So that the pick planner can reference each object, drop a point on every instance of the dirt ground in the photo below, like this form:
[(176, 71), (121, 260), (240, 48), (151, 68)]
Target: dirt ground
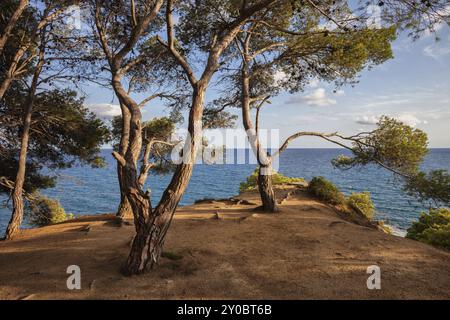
[(226, 250)]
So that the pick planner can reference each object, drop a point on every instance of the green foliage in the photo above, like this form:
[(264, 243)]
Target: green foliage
[(42, 211), (214, 118), (277, 179), (69, 125), (20, 34), (98, 162), (432, 228), (158, 128), (392, 144), (400, 149), (34, 180), (63, 132), (326, 191), (329, 56), (335, 57), (362, 203), (434, 186)]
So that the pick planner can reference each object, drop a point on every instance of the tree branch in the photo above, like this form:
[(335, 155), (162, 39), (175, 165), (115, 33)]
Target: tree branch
[(12, 22), (327, 137), (137, 31), (171, 45), (146, 166), (119, 158)]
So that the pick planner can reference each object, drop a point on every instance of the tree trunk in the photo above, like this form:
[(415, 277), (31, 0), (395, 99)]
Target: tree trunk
[(149, 240), (151, 232), (124, 211), (17, 199), (265, 187), (18, 205)]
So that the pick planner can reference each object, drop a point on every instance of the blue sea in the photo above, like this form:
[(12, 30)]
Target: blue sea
[(84, 190)]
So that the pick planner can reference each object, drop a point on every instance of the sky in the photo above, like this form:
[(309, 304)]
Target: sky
[(414, 88)]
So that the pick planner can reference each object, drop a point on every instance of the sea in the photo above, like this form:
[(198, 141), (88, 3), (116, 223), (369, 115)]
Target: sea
[(83, 190)]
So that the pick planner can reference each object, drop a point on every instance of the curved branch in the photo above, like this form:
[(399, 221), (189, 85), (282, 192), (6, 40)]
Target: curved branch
[(327, 137), (302, 134)]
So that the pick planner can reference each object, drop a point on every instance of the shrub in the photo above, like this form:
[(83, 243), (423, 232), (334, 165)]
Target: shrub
[(326, 191), (432, 186), (42, 211), (432, 228), (362, 203), (277, 179)]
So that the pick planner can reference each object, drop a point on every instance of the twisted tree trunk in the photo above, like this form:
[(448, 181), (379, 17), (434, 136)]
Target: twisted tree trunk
[(124, 211), (151, 226), (150, 234), (131, 139)]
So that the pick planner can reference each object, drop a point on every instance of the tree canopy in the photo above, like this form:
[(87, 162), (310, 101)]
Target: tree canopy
[(63, 132)]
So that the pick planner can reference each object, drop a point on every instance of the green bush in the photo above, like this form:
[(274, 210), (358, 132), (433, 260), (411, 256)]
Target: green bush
[(42, 211), (362, 203), (277, 179), (432, 228), (326, 191)]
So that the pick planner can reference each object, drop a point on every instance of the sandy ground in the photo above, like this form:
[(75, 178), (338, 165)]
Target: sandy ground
[(222, 250)]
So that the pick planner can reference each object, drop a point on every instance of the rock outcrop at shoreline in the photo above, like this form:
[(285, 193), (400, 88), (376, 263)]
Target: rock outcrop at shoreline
[(227, 249)]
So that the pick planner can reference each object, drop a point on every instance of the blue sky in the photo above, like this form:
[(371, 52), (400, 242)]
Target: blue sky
[(413, 87)]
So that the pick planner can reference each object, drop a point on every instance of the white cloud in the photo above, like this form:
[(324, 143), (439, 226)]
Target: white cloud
[(407, 118), (317, 98), (105, 110), (339, 93), (410, 119), (367, 120)]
